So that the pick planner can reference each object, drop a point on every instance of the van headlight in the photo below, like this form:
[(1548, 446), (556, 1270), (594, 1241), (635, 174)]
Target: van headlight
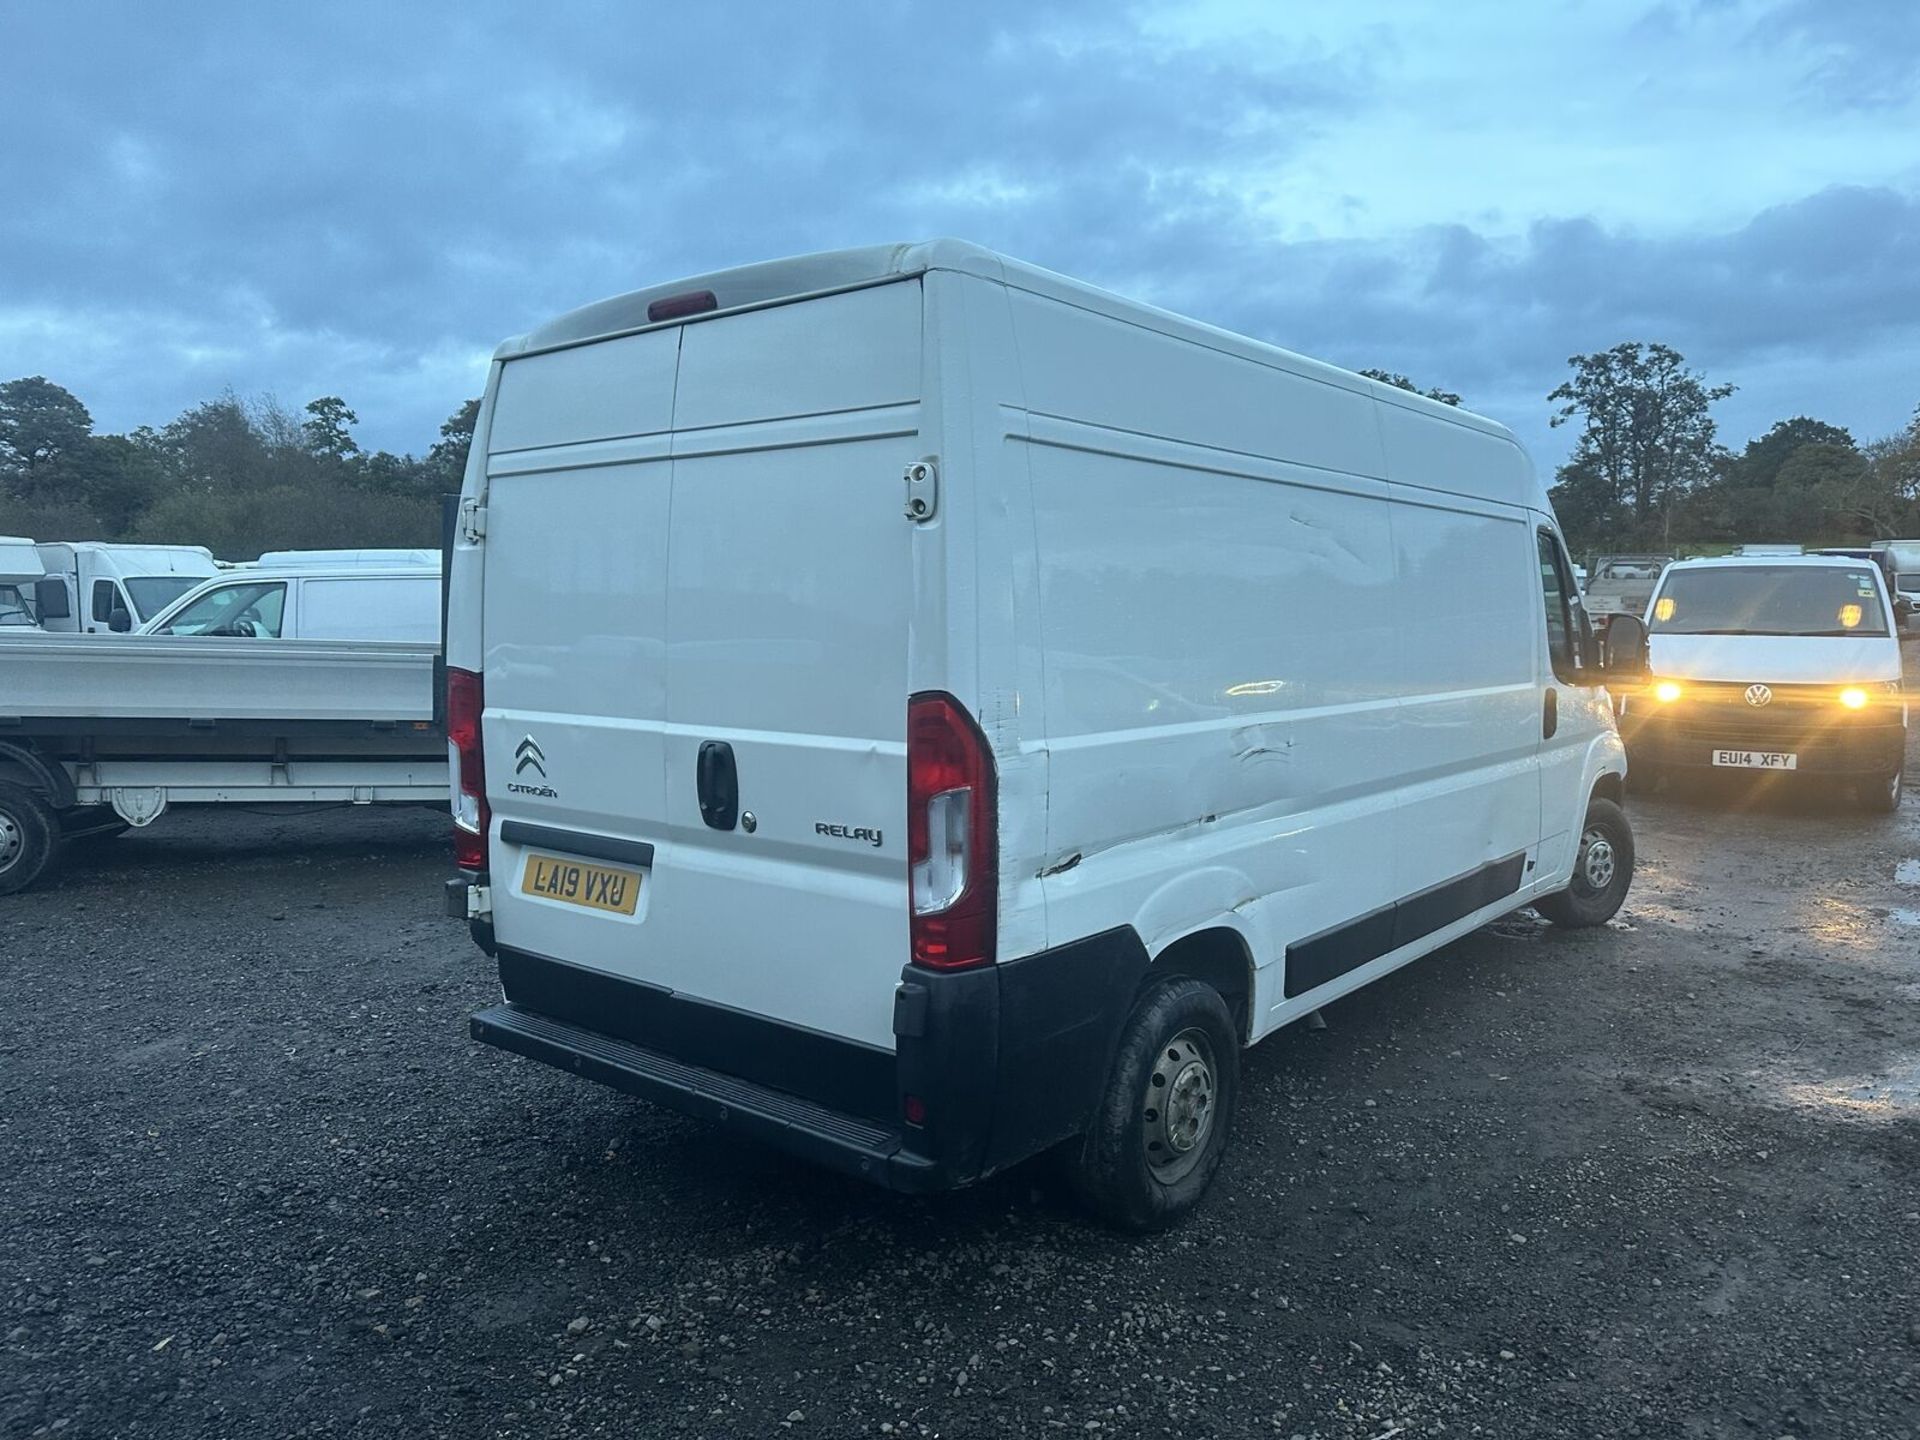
[(1858, 697)]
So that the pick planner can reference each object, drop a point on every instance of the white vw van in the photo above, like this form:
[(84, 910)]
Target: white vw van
[(1773, 665), (922, 711)]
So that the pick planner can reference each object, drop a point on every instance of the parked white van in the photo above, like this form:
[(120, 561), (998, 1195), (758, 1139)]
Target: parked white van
[(1774, 665), (92, 587), (922, 711), (312, 602), (21, 570)]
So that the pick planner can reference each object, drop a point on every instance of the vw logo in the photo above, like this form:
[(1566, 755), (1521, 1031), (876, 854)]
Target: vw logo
[(527, 754), (1759, 695)]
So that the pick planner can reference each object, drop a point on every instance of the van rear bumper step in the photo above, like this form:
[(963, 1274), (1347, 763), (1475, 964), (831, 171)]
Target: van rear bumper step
[(826, 1137)]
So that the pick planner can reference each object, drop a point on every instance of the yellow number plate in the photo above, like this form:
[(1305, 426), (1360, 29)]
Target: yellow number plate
[(595, 887)]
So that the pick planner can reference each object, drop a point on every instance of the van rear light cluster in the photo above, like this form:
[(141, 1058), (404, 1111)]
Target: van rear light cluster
[(471, 816), (952, 859)]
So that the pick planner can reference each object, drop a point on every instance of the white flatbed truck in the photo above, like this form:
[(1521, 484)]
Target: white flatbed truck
[(98, 734)]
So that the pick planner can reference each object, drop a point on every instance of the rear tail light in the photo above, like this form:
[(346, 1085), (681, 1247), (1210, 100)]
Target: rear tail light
[(952, 859), (465, 700)]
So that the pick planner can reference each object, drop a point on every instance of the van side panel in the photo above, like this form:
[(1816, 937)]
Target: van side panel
[(1471, 698), (1217, 623)]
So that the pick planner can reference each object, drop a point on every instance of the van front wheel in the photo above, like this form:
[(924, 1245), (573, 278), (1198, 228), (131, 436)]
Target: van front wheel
[(1161, 1126), (1602, 870)]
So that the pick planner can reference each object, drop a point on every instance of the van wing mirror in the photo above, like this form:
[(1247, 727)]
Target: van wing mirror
[(1626, 648), (50, 599), (120, 621)]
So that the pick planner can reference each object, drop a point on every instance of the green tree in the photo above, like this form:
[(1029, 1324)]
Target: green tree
[(117, 477), (215, 445), (1646, 430), (328, 429), (1401, 382), (447, 460), (40, 425)]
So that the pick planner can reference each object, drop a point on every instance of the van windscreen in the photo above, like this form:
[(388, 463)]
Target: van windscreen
[(153, 593), (1770, 600)]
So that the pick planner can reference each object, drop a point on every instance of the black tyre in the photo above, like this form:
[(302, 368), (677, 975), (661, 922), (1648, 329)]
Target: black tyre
[(1602, 870), (1161, 1127), (28, 837), (1881, 797)]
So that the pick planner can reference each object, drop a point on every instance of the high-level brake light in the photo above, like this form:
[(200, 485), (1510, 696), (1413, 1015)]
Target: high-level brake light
[(678, 307)]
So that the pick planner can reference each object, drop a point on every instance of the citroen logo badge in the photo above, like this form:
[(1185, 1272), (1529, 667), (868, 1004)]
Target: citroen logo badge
[(528, 755), (1759, 695)]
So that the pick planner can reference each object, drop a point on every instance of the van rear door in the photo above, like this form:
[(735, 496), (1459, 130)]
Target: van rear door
[(695, 609)]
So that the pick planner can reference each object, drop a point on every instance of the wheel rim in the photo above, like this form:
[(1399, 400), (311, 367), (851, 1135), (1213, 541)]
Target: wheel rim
[(1597, 862), (13, 841), (1179, 1105)]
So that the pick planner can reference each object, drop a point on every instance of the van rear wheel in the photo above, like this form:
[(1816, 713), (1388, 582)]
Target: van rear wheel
[(27, 837), (1161, 1127), (1602, 870)]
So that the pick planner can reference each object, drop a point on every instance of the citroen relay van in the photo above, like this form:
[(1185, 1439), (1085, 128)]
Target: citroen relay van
[(1783, 666), (920, 711)]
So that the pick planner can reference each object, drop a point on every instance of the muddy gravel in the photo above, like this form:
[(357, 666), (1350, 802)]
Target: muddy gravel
[(1661, 1179)]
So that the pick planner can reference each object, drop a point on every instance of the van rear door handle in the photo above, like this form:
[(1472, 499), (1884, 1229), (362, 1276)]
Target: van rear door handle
[(1550, 715), (719, 784)]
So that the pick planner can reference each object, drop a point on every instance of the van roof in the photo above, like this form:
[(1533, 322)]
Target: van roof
[(776, 281), (1766, 562)]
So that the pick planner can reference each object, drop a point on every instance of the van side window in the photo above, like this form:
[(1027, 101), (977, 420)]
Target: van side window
[(1563, 614), (104, 599)]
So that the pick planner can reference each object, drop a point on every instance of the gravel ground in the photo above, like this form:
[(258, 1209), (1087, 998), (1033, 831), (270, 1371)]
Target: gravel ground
[(1655, 1180)]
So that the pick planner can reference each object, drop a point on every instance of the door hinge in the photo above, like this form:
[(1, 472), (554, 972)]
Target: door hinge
[(473, 521), (923, 490)]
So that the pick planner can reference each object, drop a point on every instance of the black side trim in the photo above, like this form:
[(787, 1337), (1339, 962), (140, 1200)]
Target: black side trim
[(845, 1076), (1332, 953), (572, 842)]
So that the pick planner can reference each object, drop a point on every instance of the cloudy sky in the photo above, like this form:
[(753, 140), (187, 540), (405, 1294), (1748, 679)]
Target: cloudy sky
[(362, 200)]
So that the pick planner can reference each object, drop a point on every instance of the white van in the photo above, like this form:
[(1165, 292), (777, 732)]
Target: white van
[(1781, 665), (21, 571), (312, 602), (92, 587), (414, 558), (922, 711)]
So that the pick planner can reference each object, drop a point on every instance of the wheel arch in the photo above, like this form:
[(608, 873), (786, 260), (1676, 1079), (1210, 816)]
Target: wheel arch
[(1219, 955)]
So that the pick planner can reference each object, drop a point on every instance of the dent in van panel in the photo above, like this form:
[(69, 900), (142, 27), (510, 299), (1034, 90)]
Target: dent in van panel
[(1101, 371), (1219, 687), (591, 392), (840, 352)]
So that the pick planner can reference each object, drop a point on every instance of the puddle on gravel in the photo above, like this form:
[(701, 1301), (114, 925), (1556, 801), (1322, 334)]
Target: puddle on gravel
[(1898, 1090), (1907, 872), (1904, 917)]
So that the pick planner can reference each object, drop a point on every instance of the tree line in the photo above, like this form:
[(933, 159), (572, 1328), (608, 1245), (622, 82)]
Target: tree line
[(1647, 470), (237, 476)]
